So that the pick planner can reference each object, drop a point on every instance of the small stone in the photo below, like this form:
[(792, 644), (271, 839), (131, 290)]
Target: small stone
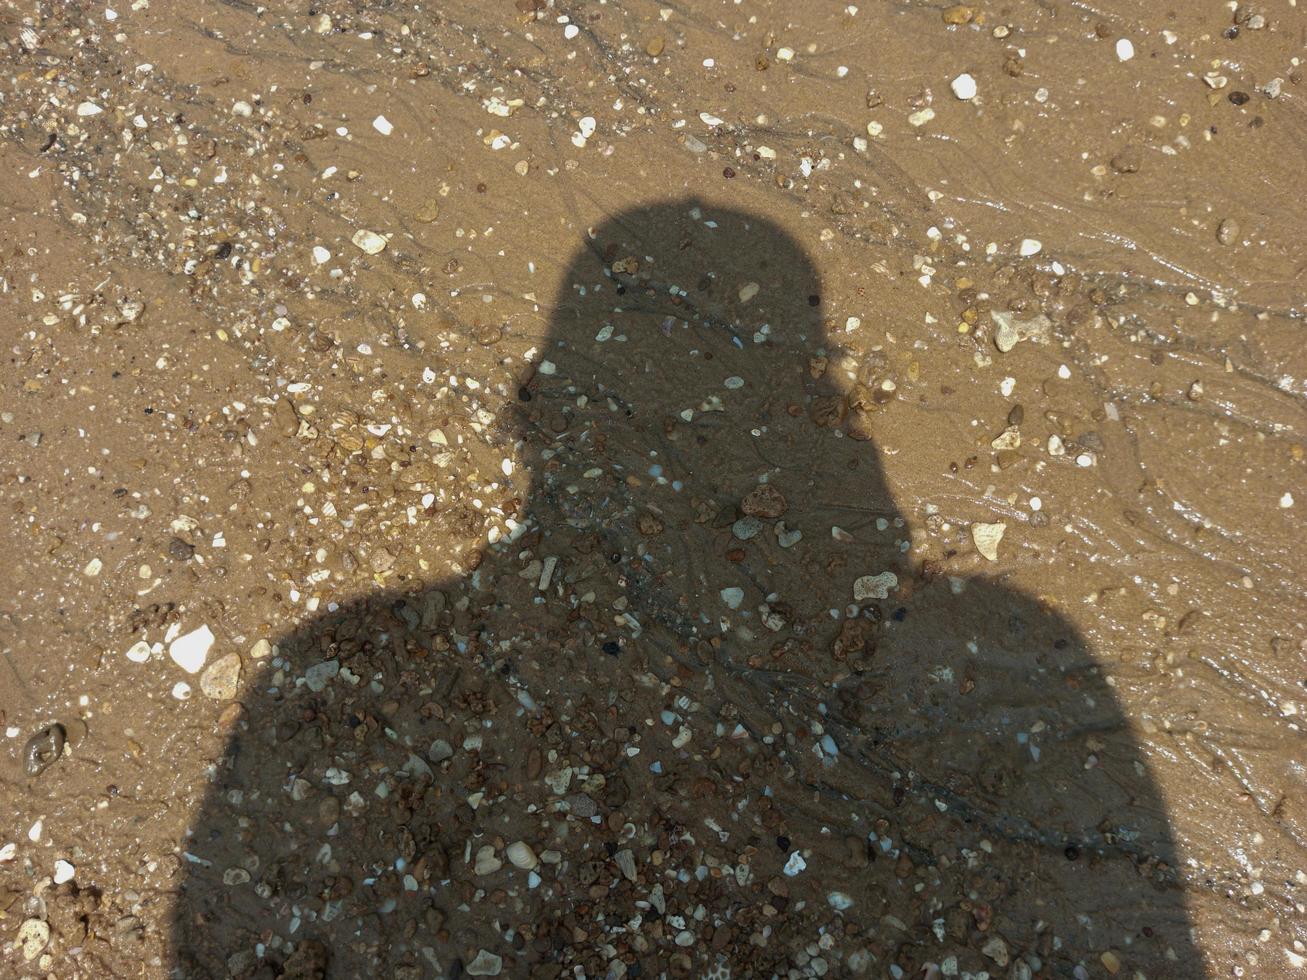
[(1009, 438), (88, 109), (261, 650), (520, 855), (958, 14), (1009, 331), (987, 537), (839, 901), (317, 676), (1227, 232), (428, 211), (746, 528), (996, 950), (655, 47), (368, 241), (1029, 247), (765, 501), (787, 537), (732, 597), (1125, 50), (383, 125), (439, 751), (874, 586), (190, 650), (1128, 160), (794, 865), (486, 862), (486, 964), (921, 116), (964, 87), (1111, 962), (44, 749), (63, 871), (625, 859), (138, 652), (221, 680), (33, 935), (180, 549)]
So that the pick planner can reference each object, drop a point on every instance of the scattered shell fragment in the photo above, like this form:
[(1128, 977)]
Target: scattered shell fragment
[(987, 537), (520, 855)]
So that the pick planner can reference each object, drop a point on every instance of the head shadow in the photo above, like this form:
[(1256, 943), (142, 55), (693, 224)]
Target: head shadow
[(699, 687)]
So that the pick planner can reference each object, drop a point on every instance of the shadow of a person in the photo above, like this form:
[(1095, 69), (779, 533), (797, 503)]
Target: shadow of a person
[(655, 733)]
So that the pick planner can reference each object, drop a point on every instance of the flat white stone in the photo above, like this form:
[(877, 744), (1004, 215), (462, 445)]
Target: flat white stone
[(190, 650)]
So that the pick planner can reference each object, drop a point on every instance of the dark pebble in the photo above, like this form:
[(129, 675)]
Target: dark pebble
[(44, 749)]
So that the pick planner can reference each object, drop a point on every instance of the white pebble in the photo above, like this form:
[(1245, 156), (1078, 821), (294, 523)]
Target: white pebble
[(1030, 246), (571, 31), (181, 691), (138, 652), (1124, 49), (586, 126), (795, 865), (191, 650), (964, 87), (89, 109), (63, 871), (383, 126), (368, 241), (1287, 500), (320, 255)]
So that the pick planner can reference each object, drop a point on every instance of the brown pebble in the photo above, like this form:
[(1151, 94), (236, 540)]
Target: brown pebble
[(655, 47), (958, 14), (1128, 160), (1227, 232)]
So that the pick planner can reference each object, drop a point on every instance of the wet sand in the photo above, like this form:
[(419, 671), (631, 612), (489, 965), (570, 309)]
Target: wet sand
[(633, 490)]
